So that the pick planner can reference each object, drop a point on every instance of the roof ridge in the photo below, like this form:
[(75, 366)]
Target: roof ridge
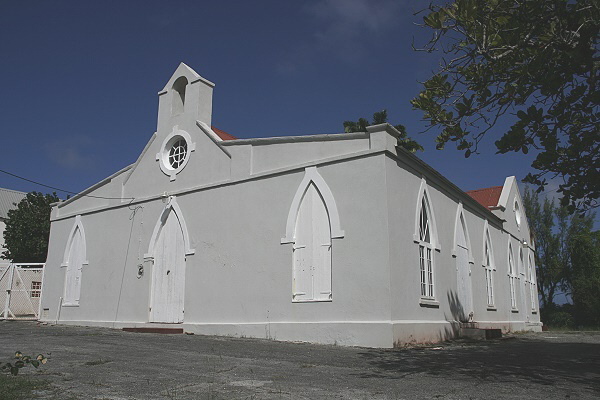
[(488, 188), (12, 190)]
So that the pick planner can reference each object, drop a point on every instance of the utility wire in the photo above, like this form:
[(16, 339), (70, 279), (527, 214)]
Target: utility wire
[(65, 191)]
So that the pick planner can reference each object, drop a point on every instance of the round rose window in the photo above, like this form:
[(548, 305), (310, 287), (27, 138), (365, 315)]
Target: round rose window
[(177, 153)]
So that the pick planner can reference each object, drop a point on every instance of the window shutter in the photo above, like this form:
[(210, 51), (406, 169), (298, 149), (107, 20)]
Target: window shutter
[(302, 279)]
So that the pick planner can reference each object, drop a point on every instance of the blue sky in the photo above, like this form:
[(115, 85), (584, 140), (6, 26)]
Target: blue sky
[(80, 79)]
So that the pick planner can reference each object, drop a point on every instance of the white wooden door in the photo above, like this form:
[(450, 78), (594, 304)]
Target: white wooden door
[(168, 274), (74, 266), (463, 280), (312, 249)]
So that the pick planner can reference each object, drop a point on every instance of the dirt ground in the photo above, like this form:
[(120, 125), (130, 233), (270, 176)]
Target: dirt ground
[(99, 363)]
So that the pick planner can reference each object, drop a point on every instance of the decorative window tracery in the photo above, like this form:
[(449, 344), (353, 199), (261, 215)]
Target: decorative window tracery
[(175, 152), (425, 252), (427, 239)]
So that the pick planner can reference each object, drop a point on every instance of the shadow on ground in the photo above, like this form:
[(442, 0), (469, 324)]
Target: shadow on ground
[(508, 360)]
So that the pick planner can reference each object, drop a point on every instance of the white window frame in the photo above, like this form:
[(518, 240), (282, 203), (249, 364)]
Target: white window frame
[(426, 249), (518, 213), (312, 176), (489, 265), (512, 278), (170, 206), (163, 156), (532, 282), (460, 222)]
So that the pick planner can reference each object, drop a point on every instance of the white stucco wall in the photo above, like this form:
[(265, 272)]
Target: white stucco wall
[(2, 227), (235, 198), (3, 262)]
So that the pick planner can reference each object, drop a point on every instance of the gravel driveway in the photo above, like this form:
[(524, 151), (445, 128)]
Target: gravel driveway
[(100, 363)]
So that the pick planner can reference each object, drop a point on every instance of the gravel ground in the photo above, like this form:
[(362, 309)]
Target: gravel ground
[(100, 363)]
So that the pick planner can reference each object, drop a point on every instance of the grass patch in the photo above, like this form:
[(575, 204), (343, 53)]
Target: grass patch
[(20, 387)]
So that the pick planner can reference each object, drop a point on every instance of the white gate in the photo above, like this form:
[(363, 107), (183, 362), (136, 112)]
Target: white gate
[(21, 290)]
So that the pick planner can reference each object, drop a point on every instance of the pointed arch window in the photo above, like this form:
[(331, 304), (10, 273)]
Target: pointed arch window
[(461, 233), (489, 265), (427, 239), (312, 223), (532, 283), (512, 278), (75, 257), (425, 251)]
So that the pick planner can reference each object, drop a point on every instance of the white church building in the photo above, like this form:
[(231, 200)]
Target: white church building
[(342, 238)]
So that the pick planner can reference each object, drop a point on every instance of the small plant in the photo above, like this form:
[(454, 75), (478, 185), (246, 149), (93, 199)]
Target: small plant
[(22, 361)]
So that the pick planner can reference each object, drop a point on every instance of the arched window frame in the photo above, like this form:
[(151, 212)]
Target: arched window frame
[(77, 227), (512, 278), (312, 176), (170, 206), (424, 193), (426, 253), (488, 263), (460, 222), (532, 282)]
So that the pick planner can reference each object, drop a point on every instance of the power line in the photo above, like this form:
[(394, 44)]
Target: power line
[(63, 190)]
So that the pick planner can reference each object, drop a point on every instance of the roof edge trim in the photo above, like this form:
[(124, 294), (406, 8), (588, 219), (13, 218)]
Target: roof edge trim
[(291, 139)]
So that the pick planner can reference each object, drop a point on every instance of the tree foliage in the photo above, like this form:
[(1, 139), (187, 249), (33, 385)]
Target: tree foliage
[(381, 118), (28, 228), (567, 257), (533, 63), (582, 277), (541, 217)]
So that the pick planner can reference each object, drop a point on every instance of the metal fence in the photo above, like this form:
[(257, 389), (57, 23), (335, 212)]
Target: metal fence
[(21, 291)]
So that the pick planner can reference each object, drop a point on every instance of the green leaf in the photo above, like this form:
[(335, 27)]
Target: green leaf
[(14, 370), (502, 20)]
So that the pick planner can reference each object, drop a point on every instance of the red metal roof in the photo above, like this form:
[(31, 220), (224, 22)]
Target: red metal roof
[(222, 134), (486, 197)]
